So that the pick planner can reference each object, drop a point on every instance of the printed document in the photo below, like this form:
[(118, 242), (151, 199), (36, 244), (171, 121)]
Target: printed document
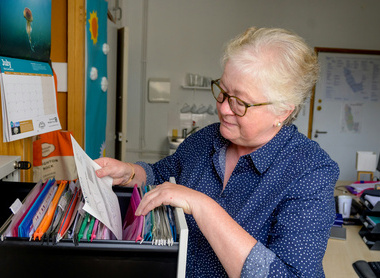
[(100, 200)]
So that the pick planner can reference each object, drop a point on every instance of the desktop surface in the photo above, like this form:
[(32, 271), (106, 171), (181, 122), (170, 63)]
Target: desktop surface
[(341, 254)]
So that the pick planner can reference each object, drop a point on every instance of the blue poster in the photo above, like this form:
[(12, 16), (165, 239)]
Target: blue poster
[(25, 29), (96, 79)]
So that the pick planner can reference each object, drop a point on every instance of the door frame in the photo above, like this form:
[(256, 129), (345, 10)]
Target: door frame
[(76, 13)]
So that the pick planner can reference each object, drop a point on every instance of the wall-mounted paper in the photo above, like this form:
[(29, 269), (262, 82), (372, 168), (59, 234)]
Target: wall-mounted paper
[(366, 161), (159, 90), (28, 98)]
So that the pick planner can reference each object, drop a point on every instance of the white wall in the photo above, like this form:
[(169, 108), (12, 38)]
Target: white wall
[(188, 36)]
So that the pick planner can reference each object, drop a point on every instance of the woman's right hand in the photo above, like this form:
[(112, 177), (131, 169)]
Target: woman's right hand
[(116, 169)]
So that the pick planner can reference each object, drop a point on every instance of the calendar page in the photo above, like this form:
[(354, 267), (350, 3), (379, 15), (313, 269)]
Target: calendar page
[(28, 98)]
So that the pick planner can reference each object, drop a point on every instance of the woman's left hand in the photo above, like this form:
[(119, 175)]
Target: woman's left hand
[(169, 194), (229, 240)]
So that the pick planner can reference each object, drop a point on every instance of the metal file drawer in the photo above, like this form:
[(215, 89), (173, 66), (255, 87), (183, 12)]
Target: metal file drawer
[(100, 258)]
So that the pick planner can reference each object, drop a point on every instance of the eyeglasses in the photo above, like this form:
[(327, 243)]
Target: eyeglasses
[(238, 106)]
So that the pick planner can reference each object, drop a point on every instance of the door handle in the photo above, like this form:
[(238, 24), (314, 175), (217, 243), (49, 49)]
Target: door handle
[(319, 132)]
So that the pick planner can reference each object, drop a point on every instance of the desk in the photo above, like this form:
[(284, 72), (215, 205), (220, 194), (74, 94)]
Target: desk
[(341, 254)]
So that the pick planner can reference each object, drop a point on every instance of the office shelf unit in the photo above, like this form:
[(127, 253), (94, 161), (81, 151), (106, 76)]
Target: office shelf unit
[(370, 233)]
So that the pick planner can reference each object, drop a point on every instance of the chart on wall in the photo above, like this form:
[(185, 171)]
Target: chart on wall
[(350, 77), (346, 106)]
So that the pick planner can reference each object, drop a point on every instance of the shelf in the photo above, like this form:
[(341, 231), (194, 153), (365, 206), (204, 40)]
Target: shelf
[(196, 88)]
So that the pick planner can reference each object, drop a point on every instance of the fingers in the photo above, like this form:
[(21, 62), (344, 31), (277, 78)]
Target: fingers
[(106, 164), (149, 202), (116, 169), (166, 194), (101, 161), (104, 171), (101, 173)]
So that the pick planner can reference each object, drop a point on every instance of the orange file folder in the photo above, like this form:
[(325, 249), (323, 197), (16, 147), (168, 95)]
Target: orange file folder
[(48, 218)]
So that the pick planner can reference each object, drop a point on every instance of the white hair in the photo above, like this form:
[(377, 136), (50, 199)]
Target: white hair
[(280, 62)]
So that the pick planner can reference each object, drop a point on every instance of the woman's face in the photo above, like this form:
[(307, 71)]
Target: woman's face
[(258, 125)]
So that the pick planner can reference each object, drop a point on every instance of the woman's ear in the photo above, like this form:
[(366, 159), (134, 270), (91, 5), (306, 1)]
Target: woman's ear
[(282, 117)]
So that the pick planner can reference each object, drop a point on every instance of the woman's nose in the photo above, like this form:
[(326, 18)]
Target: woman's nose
[(225, 108)]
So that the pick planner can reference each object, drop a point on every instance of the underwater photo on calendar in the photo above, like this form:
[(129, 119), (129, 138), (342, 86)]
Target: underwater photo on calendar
[(25, 29)]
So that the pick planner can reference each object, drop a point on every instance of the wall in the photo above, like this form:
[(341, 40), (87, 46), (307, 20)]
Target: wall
[(58, 54), (24, 147), (188, 36)]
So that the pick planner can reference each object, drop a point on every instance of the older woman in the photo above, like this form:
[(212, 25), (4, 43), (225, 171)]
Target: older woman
[(258, 194)]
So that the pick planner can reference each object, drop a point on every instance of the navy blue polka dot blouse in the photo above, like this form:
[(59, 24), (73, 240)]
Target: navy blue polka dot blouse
[(281, 194)]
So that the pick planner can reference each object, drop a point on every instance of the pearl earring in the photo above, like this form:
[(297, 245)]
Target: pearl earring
[(278, 124)]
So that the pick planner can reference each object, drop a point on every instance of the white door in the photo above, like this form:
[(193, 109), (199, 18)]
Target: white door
[(346, 108)]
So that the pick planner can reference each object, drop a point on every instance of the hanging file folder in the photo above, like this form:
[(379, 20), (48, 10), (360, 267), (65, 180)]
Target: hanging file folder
[(12, 229), (24, 228), (46, 222)]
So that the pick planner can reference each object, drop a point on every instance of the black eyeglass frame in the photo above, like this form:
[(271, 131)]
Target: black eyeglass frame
[(225, 95)]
